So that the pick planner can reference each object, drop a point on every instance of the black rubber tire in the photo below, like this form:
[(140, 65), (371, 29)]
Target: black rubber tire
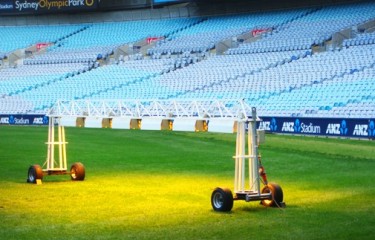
[(222, 199), (35, 172), (77, 172), (277, 195)]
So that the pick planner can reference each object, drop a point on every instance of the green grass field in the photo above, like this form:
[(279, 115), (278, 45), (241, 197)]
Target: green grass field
[(157, 185)]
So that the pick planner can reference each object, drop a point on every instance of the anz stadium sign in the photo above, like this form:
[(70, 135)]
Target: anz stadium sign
[(335, 127), (338, 127), (46, 6), (6, 6), (18, 119)]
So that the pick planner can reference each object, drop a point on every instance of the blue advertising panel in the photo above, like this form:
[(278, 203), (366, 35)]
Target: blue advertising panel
[(17, 119), (338, 127), (6, 6), (335, 127)]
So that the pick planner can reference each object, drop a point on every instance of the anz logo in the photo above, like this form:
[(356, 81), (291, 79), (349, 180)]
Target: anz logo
[(269, 125), (287, 127), (292, 126), (337, 128), (365, 129), (300, 127), (12, 120), (4, 120), (297, 126), (371, 129), (273, 125), (40, 120)]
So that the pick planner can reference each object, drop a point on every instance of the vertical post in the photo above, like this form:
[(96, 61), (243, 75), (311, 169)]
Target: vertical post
[(64, 166), (242, 156), (236, 168), (253, 150), (50, 144), (60, 144), (250, 155)]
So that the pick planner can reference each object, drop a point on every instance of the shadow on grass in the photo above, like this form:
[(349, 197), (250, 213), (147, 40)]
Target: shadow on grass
[(52, 179), (258, 207)]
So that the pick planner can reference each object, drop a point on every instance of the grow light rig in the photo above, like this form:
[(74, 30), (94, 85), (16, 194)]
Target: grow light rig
[(271, 195), (228, 111), (52, 167)]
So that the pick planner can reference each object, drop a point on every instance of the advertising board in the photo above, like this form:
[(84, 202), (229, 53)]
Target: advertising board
[(46, 6)]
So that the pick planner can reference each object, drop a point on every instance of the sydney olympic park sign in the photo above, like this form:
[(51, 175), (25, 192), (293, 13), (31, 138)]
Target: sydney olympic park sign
[(45, 6), (335, 127)]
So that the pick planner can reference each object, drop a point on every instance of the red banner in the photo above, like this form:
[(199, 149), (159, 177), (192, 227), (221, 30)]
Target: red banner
[(153, 39), (257, 32), (41, 45)]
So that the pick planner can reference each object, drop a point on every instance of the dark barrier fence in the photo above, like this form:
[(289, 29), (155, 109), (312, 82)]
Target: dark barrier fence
[(336, 127), (23, 119)]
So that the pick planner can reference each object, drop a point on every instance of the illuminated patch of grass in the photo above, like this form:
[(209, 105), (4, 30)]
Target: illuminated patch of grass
[(157, 185)]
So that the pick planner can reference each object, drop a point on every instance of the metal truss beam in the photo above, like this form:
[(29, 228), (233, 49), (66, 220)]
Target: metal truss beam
[(225, 109)]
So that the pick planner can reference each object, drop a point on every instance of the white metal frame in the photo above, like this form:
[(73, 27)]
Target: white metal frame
[(53, 142), (232, 109), (247, 153), (240, 111)]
